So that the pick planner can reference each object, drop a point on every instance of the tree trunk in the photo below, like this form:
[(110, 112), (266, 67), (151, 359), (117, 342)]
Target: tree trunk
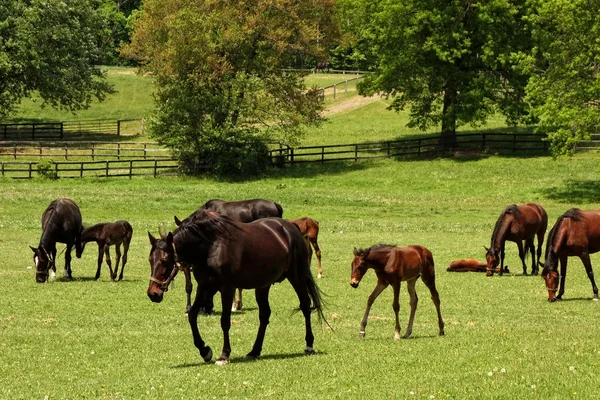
[(448, 138)]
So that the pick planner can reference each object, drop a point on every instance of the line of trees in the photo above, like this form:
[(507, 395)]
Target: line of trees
[(218, 65)]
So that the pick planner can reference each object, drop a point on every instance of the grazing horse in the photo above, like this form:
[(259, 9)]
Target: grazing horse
[(517, 224), (241, 211), (394, 265), (471, 265), (575, 233), (61, 222), (225, 254), (106, 235), (310, 228), (322, 66)]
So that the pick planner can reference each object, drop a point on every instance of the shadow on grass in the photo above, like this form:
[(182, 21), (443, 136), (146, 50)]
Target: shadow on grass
[(574, 191), (242, 359)]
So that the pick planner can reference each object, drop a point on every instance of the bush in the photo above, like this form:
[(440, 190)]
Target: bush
[(47, 170)]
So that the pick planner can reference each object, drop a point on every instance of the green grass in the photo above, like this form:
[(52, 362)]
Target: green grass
[(88, 339)]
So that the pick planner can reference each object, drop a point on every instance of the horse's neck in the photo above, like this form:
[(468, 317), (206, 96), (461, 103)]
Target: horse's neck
[(500, 237), (379, 260), (47, 241), (92, 233)]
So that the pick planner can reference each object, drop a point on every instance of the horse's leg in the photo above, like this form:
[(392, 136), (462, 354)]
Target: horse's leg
[(205, 351), (585, 257), (396, 308), (563, 276), (124, 259), (227, 294), (315, 245), (376, 292), (67, 275), (540, 240), (108, 262), (100, 258), (53, 252), (264, 313), (428, 278), (301, 289), (188, 289), (236, 304), (529, 245), (502, 254), (118, 253), (414, 300), (522, 256)]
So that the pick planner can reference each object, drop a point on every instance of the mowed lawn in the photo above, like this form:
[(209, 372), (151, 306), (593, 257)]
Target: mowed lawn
[(103, 339)]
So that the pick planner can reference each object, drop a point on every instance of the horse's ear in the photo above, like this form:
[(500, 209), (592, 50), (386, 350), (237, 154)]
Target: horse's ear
[(33, 249), (170, 239), (152, 238), (355, 252), (486, 249), (540, 264), (177, 221)]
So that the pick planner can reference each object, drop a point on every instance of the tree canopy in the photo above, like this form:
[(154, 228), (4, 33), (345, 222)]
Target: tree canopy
[(219, 66), (51, 47)]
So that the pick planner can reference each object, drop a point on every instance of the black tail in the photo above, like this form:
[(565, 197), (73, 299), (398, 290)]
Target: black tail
[(279, 209)]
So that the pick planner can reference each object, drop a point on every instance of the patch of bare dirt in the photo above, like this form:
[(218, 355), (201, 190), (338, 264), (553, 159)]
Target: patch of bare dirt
[(350, 104)]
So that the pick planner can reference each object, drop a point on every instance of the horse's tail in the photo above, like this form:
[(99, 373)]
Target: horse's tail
[(279, 209)]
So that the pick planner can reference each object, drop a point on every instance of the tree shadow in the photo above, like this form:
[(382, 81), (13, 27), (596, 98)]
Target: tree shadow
[(574, 191)]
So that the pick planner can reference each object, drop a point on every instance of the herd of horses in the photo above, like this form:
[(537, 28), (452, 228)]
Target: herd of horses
[(229, 246)]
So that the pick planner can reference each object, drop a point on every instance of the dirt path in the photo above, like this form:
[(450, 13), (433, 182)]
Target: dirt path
[(349, 104)]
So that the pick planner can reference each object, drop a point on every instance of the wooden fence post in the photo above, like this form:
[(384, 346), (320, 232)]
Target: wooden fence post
[(130, 168), (33, 131), (30, 169), (355, 152), (93, 151), (118, 151), (15, 150), (322, 154), (107, 168), (81, 170), (292, 156), (482, 141), (61, 130), (118, 127), (155, 167)]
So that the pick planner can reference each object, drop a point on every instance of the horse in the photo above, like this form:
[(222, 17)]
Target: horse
[(310, 228), (471, 265), (61, 222), (105, 235), (241, 211), (575, 233), (517, 224), (224, 255), (322, 66), (394, 265)]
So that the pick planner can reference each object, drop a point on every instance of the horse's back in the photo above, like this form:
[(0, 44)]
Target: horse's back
[(412, 261), (467, 265), (245, 210), (63, 219)]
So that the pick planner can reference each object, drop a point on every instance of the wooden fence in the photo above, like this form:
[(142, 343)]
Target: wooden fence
[(59, 130), (80, 169), (480, 142), (338, 87), (586, 145), (83, 150)]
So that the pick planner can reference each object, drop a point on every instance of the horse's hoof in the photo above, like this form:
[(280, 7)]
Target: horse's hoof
[(222, 361), (361, 334), (309, 351), (250, 357), (397, 336), (319, 276), (595, 298), (208, 356), (406, 335)]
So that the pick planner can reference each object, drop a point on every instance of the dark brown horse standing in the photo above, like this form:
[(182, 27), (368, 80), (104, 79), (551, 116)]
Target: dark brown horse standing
[(310, 228), (394, 265), (575, 233), (61, 222), (241, 211), (225, 255), (105, 235), (518, 224)]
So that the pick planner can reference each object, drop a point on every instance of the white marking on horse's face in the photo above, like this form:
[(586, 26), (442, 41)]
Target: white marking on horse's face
[(36, 259)]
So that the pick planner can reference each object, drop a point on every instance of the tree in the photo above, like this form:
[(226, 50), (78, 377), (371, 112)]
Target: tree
[(50, 47), (221, 88), (565, 70), (450, 60)]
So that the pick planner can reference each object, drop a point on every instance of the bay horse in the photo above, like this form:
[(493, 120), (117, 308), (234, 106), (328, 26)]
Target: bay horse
[(471, 265), (394, 265), (322, 66), (225, 254), (575, 233), (105, 235), (310, 228), (241, 211), (61, 222), (517, 224)]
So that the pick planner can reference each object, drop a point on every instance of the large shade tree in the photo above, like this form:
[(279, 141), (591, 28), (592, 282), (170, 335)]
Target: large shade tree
[(222, 90), (449, 61), (50, 47)]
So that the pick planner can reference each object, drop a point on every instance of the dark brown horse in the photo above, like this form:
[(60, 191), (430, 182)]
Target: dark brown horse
[(575, 233), (471, 265), (517, 224), (61, 222), (310, 228), (394, 265), (225, 255), (241, 211), (106, 235)]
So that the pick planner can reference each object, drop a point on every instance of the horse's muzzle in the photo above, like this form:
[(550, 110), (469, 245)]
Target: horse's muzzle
[(156, 295), (354, 284)]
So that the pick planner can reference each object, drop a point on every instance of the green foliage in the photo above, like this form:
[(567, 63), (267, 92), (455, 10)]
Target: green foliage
[(45, 169), (565, 69), (51, 48)]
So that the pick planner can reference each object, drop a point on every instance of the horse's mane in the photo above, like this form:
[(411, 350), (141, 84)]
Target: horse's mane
[(379, 246), (205, 228), (510, 210), (574, 214)]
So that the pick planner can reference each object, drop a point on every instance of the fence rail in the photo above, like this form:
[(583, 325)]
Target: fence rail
[(409, 147), (59, 130), (80, 169), (337, 87), (82, 150)]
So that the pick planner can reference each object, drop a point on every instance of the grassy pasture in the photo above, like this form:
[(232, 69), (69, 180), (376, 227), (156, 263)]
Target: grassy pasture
[(88, 339)]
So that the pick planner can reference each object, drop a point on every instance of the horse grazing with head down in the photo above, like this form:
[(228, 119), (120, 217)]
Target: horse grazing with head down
[(241, 211), (105, 235), (224, 255), (575, 233), (517, 224), (61, 222), (394, 265)]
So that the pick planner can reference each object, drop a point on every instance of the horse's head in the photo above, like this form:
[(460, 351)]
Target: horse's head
[(359, 266), (79, 249), (492, 260), (552, 278), (43, 263), (163, 266)]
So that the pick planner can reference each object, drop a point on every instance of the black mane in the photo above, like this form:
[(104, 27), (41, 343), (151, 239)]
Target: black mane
[(510, 210), (374, 247), (550, 264)]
